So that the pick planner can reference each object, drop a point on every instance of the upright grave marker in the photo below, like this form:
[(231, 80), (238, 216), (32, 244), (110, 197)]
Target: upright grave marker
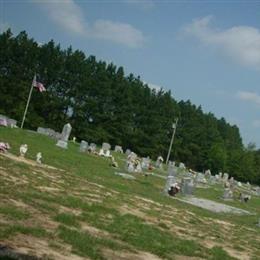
[(63, 142)]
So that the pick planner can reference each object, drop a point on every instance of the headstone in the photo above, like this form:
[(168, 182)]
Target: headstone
[(207, 173), (225, 177), (83, 146), (182, 165), (187, 186), (127, 152), (239, 184), (49, 132), (132, 156), (11, 122), (119, 149), (146, 163), (39, 157), (200, 178), (169, 181), (159, 162), (172, 169), (63, 142), (92, 147), (258, 191), (228, 194), (6, 121), (212, 180), (106, 146), (130, 167), (23, 149), (232, 182), (3, 122)]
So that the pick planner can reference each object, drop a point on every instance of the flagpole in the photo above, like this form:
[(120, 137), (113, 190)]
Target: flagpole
[(173, 133), (27, 105)]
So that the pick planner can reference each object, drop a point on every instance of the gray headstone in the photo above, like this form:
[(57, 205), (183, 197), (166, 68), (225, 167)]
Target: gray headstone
[(172, 171), (200, 177), (212, 180), (6, 121), (119, 149), (258, 191), (92, 147), (187, 186), (106, 146), (128, 151), (63, 142), (169, 181), (83, 146), (228, 194), (146, 162), (225, 176)]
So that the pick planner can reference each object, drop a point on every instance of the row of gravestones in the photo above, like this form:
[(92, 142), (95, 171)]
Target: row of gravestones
[(64, 137), (187, 182), (84, 146), (49, 132), (6, 121), (190, 180)]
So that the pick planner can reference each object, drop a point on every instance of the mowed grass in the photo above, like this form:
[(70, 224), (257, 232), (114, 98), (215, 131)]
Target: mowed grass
[(84, 207)]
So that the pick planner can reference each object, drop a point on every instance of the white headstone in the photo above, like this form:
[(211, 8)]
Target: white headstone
[(39, 157), (23, 149)]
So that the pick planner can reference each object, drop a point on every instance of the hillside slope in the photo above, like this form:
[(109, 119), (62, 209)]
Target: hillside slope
[(75, 207)]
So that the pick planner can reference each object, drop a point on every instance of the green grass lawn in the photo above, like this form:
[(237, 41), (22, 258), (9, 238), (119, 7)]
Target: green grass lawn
[(86, 209)]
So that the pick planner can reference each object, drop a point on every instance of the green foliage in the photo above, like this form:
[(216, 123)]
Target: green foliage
[(105, 105)]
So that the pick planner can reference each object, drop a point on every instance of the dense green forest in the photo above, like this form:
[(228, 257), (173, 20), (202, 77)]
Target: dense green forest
[(105, 105)]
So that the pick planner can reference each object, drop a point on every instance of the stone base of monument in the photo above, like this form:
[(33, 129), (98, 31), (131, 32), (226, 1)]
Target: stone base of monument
[(62, 144)]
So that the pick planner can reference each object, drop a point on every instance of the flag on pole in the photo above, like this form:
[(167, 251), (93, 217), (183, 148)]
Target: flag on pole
[(38, 84)]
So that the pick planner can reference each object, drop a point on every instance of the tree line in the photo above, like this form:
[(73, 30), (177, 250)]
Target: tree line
[(105, 105)]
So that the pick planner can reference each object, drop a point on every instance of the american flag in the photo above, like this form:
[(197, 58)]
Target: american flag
[(38, 84)]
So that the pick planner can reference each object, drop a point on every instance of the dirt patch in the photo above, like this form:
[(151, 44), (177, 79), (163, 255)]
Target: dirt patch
[(184, 257), (19, 204), (95, 231), (124, 255), (32, 246), (67, 210), (28, 161), (125, 209), (243, 255), (48, 189)]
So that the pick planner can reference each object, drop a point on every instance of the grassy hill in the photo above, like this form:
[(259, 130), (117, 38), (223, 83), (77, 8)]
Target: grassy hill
[(79, 209)]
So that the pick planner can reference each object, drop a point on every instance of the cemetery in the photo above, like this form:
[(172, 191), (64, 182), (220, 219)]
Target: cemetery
[(67, 199)]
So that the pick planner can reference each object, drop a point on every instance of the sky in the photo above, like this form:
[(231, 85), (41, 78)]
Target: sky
[(207, 52)]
